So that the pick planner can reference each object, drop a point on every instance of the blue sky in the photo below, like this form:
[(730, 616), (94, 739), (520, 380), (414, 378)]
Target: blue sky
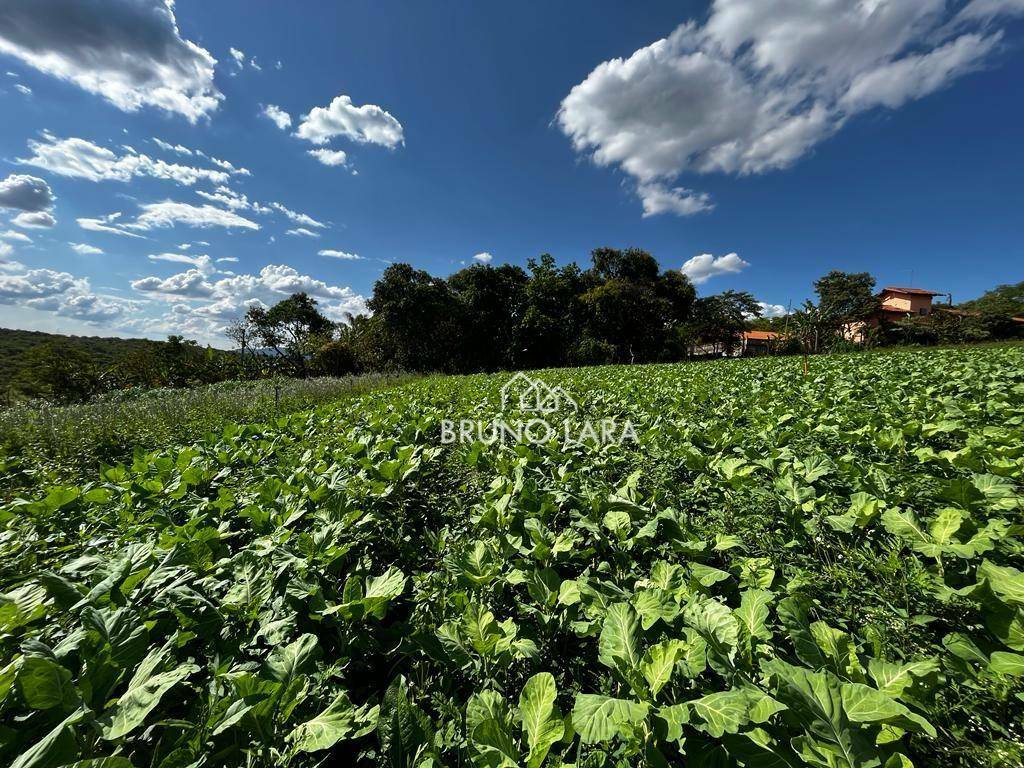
[(755, 145)]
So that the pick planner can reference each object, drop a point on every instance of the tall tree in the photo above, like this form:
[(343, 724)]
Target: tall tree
[(493, 300), (293, 328), (550, 323), (721, 318), (419, 319), (845, 297)]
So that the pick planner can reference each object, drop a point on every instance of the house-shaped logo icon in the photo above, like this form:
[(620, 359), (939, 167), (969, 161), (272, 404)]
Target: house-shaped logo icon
[(534, 396)]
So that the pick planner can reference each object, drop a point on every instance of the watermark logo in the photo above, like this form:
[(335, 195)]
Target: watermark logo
[(537, 413), (534, 396)]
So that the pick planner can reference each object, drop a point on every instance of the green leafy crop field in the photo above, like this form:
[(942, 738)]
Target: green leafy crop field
[(780, 571)]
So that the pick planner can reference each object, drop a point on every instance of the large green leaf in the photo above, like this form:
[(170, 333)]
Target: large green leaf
[(601, 718), (286, 662), (1006, 582), (144, 692), (45, 684), (619, 645), (541, 720), (341, 720), (659, 664)]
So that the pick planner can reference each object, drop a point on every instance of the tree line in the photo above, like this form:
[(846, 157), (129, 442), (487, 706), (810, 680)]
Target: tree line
[(621, 309)]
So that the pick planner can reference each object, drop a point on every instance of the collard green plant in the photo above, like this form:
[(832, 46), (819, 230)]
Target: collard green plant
[(783, 570)]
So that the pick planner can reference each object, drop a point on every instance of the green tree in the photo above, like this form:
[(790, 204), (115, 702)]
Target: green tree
[(845, 297), (418, 318), (493, 300), (293, 328), (721, 318), (551, 321), (59, 372)]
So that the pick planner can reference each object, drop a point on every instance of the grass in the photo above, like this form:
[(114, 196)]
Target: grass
[(46, 443)]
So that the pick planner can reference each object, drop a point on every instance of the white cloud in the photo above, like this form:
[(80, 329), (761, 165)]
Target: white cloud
[(81, 159), (18, 237), (657, 198), (169, 214), (108, 224), (279, 117), (238, 56), (343, 255), (228, 260), (985, 10), (236, 201), (26, 193), (201, 262), (331, 157), (38, 220), (190, 284), (702, 268), (483, 258), (23, 89), (892, 85), (130, 52), (35, 283), (61, 293), (302, 232), (203, 307), (84, 249), (772, 310), (758, 85), (367, 124), (6, 249), (298, 218), (224, 165)]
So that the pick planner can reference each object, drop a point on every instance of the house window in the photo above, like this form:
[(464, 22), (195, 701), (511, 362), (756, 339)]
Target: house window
[(922, 310)]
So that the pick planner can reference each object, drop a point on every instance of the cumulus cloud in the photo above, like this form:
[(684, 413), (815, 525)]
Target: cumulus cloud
[(702, 268), (758, 85), (772, 310), (130, 52), (189, 284), (343, 255), (483, 258), (302, 232), (61, 293), (203, 306), (331, 157), (26, 193), (658, 198), (81, 159), (84, 249), (366, 124), (15, 236), (38, 220), (278, 116), (238, 56)]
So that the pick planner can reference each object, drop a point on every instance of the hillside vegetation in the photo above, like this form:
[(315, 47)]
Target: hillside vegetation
[(783, 570)]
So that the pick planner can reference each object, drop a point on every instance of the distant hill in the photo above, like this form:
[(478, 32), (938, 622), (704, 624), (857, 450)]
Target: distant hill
[(104, 350)]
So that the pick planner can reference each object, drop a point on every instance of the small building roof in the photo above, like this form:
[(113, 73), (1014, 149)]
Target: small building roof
[(910, 291), (761, 335)]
